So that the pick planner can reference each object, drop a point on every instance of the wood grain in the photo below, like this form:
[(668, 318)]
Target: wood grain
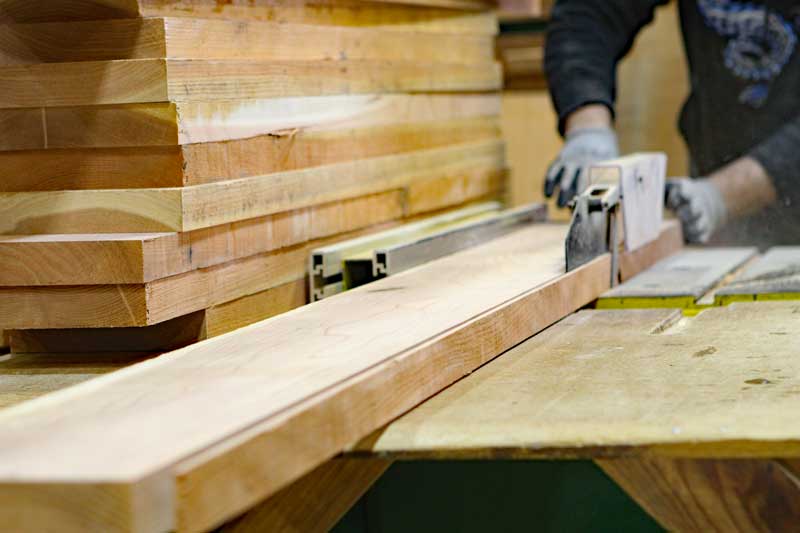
[(270, 384), (203, 206), (696, 495), (188, 38), (166, 336), (195, 164), (623, 383), (97, 259), (279, 126), (330, 12), (314, 503), (98, 306), (178, 80)]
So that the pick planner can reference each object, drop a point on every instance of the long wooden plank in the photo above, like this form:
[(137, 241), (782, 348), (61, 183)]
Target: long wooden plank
[(121, 306), (196, 164), (315, 503), (202, 206), (623, 383), (96, 259), (169, 335), (187, 38), (712, 495), (135, 305), (318, 125), (355, 362), (331, 12), (177, 80)]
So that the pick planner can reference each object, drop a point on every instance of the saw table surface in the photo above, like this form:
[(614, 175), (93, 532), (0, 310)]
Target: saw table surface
[(622, 382)]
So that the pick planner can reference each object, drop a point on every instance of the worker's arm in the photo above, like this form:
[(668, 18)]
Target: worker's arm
[(585, 40), (703, 205), (769, 173)]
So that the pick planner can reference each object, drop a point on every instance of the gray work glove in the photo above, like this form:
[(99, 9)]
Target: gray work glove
[(699, 205), (570, 171)]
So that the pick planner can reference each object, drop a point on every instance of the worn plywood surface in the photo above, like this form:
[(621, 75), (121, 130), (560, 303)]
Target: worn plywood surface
[(617, 383), (691, 274), (775, 273)]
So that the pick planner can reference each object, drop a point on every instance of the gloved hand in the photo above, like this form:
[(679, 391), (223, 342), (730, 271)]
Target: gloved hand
[(582, 148), (699, 205)]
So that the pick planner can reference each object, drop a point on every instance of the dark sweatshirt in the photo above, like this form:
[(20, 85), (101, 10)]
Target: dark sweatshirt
[(745, 86)]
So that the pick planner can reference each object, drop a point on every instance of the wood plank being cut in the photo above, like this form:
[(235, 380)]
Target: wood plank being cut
[(678, 281), (321, 125), (178, 38), (179, 80), (623, 383), (203, 206), (773, 276), (278, 398), (99, 259), (333, 12)]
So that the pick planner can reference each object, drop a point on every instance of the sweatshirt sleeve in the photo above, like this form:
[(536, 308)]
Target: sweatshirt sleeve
[(585, 40), (780, 157)]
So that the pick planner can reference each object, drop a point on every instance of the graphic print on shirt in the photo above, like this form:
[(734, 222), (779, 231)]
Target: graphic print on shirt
[(760, 43)]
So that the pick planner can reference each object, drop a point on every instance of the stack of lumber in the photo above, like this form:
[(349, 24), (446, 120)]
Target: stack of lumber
[(168, 165)]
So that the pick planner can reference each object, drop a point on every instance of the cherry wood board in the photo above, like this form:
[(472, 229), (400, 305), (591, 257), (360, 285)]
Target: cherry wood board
[(438, 15), (293, 132), (202, 206), (193, 38), (336, 370), (106, 259), (186, 80)]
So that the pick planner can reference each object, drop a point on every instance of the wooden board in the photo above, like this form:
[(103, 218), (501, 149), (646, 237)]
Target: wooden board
[(188, 38), (196, 164), (622, 383), (712, 495), (333, 12), (775, 275), (316, 502), (166, 336), (686, 276), (136, 305), (202, 206), (335, 370), (178, 80), (97, 259), (313, 127)]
